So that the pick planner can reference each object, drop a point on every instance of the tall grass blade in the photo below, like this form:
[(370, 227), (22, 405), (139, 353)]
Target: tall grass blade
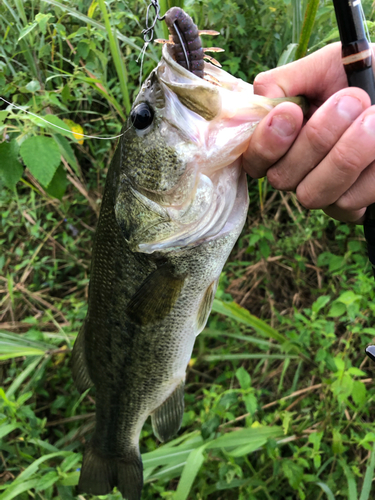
[(191, 469), (208, 332), (352, 485), (237, 357), (14, 346), (369, 475), (15, 490), (242, 315), (22, 376), (326, 490), (117, 58)]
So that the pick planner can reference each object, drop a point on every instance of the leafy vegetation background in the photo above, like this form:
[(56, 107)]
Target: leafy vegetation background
[(279, 396)]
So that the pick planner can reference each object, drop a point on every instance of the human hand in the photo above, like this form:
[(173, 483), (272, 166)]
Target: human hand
[(329, 160)]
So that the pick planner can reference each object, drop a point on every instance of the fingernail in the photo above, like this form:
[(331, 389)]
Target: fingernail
[(283, 125), (369, 124), (349, 107)]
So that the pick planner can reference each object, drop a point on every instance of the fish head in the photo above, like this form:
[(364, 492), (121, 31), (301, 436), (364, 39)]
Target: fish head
[(180, 180)]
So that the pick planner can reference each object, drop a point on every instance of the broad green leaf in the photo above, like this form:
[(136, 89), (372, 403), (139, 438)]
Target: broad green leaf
[(59, 183), (336, 262), (348, 297), (293, 472), (42, 20), (10, 168), (7, 429), (191, 469), (66, 151), (56, 125), (320, 303), (33, 86), (3, 114), (337, 309), (71, 479), (42, 157), (359, 393), (243, 378)]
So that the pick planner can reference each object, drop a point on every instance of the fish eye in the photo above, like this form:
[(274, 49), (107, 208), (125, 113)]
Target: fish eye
[(142, 116)]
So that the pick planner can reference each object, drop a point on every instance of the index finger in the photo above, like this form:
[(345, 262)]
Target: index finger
[(317, 76)]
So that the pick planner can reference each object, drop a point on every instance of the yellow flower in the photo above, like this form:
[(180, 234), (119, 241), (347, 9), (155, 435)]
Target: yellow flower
[(76, 129)]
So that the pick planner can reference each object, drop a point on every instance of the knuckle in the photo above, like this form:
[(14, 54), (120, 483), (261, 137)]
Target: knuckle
[(348, 203), (278, 180), (320, 138), (265, 154), (346, 159), (262, 79), (306, 197)]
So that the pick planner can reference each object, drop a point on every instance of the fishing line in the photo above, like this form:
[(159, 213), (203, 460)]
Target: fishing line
[(367, 33), (61, 128)]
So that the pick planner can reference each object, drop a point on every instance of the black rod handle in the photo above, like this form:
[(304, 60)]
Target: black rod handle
[(357, 61)]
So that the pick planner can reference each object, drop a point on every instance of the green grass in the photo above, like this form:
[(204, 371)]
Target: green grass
[(279, 395)]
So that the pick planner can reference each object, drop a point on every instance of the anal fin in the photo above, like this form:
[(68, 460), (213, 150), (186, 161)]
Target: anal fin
[(80, 370), (166, 420)]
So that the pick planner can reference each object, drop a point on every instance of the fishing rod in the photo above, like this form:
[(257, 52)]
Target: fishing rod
[(357, 61)]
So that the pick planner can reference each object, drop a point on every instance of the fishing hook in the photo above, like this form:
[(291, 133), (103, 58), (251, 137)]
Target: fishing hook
[(182, 45), (149, 30)]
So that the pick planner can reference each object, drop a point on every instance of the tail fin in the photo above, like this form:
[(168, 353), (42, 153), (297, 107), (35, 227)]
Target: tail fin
[(130, 477), (99, 475)]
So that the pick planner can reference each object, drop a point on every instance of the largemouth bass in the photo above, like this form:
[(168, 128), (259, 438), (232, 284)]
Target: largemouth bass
[(174, 204)]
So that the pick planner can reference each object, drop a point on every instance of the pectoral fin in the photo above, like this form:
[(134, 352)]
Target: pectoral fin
[(166, 420), (80, 370), (154, 300)]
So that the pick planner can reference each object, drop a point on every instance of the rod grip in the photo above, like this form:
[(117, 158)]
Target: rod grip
[(364, 80)]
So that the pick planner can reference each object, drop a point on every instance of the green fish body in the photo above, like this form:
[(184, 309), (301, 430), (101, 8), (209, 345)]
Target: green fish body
[(174, 204)]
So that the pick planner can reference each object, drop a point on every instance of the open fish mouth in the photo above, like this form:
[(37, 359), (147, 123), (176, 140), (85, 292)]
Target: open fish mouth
[(208, 125)]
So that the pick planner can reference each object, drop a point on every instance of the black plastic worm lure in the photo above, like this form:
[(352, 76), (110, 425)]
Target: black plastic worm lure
[(186, 48)]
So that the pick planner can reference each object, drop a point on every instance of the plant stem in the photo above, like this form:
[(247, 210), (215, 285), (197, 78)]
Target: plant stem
[(307, 27)]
